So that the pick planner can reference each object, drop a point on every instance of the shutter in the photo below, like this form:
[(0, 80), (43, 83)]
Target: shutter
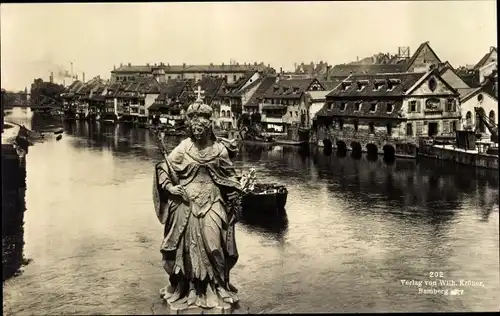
[(418, 106), (454, 105), (420, 126), (409, 106)]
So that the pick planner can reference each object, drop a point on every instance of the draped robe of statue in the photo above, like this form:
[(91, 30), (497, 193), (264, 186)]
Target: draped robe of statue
[(199, 243)]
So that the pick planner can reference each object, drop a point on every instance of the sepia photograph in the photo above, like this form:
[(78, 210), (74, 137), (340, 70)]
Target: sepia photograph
[(250, 157)]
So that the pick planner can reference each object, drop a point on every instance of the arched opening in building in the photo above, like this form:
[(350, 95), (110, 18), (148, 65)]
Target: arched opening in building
[(327, 144), (372, 151), (389, 153), (492, 116), (480, 127), (468, 119), (356, 150), (341, 148)]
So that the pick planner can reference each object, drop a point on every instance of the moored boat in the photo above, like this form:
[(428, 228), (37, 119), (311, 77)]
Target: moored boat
[(265, 198)]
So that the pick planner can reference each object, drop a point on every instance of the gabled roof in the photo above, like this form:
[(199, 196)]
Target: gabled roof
[(401, 81), (435, 73), (290, 88), (476, 91), (418, 51), (191, 68), (210, 85), (346, 70), (265, 84), (485, 58)]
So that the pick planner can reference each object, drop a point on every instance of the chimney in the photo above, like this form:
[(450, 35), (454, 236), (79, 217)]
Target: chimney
[(114, 67), (129, 64), (357, 58), (147, 64), (183, 65), (281, 70), (492, 48), (222, 65), (255, 63), (121, 64), (83, 77), (51, 78)]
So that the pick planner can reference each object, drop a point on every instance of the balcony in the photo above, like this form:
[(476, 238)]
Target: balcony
[(273, 120)]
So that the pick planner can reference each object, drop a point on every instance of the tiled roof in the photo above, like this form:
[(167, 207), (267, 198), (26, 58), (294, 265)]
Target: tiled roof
[(288, 88), (191, 68), (346, 70), (265, 84), (483, 60), (350, 110), (401, 81), (210, 85), (418, 51), (329, 85)]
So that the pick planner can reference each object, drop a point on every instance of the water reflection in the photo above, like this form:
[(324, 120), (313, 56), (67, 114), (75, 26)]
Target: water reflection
[(352, 222)]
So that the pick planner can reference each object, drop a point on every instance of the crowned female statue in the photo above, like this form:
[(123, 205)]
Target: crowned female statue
[(196, 196)]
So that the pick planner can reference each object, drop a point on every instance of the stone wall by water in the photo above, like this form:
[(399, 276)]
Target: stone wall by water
[(461, 157), (13, 207)]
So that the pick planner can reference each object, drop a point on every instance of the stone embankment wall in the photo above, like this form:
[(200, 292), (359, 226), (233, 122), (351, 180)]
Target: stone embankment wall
[(13, 207), (459, 156)]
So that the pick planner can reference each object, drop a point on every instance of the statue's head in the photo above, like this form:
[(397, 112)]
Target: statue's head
[(199, 120)]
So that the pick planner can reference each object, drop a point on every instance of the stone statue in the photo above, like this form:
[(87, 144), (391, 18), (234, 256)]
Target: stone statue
[(197, 195)]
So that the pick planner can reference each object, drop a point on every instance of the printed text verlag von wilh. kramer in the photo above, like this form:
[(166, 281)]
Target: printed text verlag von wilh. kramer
[(419, 283)]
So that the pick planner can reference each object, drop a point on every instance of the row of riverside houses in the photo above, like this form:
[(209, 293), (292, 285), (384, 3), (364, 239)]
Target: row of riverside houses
[(396, 102)]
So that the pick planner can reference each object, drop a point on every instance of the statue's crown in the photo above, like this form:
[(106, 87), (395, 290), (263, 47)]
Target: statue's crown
[(199, 107)]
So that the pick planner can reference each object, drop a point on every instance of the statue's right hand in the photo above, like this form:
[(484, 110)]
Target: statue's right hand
[(179, 191)]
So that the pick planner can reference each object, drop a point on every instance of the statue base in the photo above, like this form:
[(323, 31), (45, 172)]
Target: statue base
[(162, 307)]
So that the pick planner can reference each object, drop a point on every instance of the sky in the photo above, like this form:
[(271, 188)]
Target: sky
[(39, 38)]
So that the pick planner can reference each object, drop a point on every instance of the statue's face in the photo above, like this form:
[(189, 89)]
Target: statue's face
[(199, 125)]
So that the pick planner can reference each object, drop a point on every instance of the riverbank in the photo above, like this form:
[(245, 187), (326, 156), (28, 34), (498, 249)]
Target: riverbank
[(13, 208)]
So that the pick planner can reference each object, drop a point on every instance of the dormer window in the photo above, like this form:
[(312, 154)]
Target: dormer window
[(346, 85), (343, 106), (391, 83), (373, 107), (357, 106), (360, 86), (377, 85)]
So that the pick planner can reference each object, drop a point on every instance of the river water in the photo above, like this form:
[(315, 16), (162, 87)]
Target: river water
[(355, 228)]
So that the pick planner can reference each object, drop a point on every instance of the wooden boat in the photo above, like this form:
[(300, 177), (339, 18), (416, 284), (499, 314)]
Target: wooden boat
[(290, 142), (108, 118), (265, 198)]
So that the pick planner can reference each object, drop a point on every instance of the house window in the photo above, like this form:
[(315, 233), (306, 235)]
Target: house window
[(389, 107), (297, 113), (360, 86), (223, 113), (389, 129), (291, 114), (330, 106), (409, 129), (449, 105), (357, 106), (413, 106), (341, 124), (373, 107), (371, 128), (343, 106), (492, 116), (453, 126), (234, 78), (356, 125)]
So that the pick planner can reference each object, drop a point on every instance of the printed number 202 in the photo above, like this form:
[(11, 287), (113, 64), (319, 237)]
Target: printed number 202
[(436, 274)]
